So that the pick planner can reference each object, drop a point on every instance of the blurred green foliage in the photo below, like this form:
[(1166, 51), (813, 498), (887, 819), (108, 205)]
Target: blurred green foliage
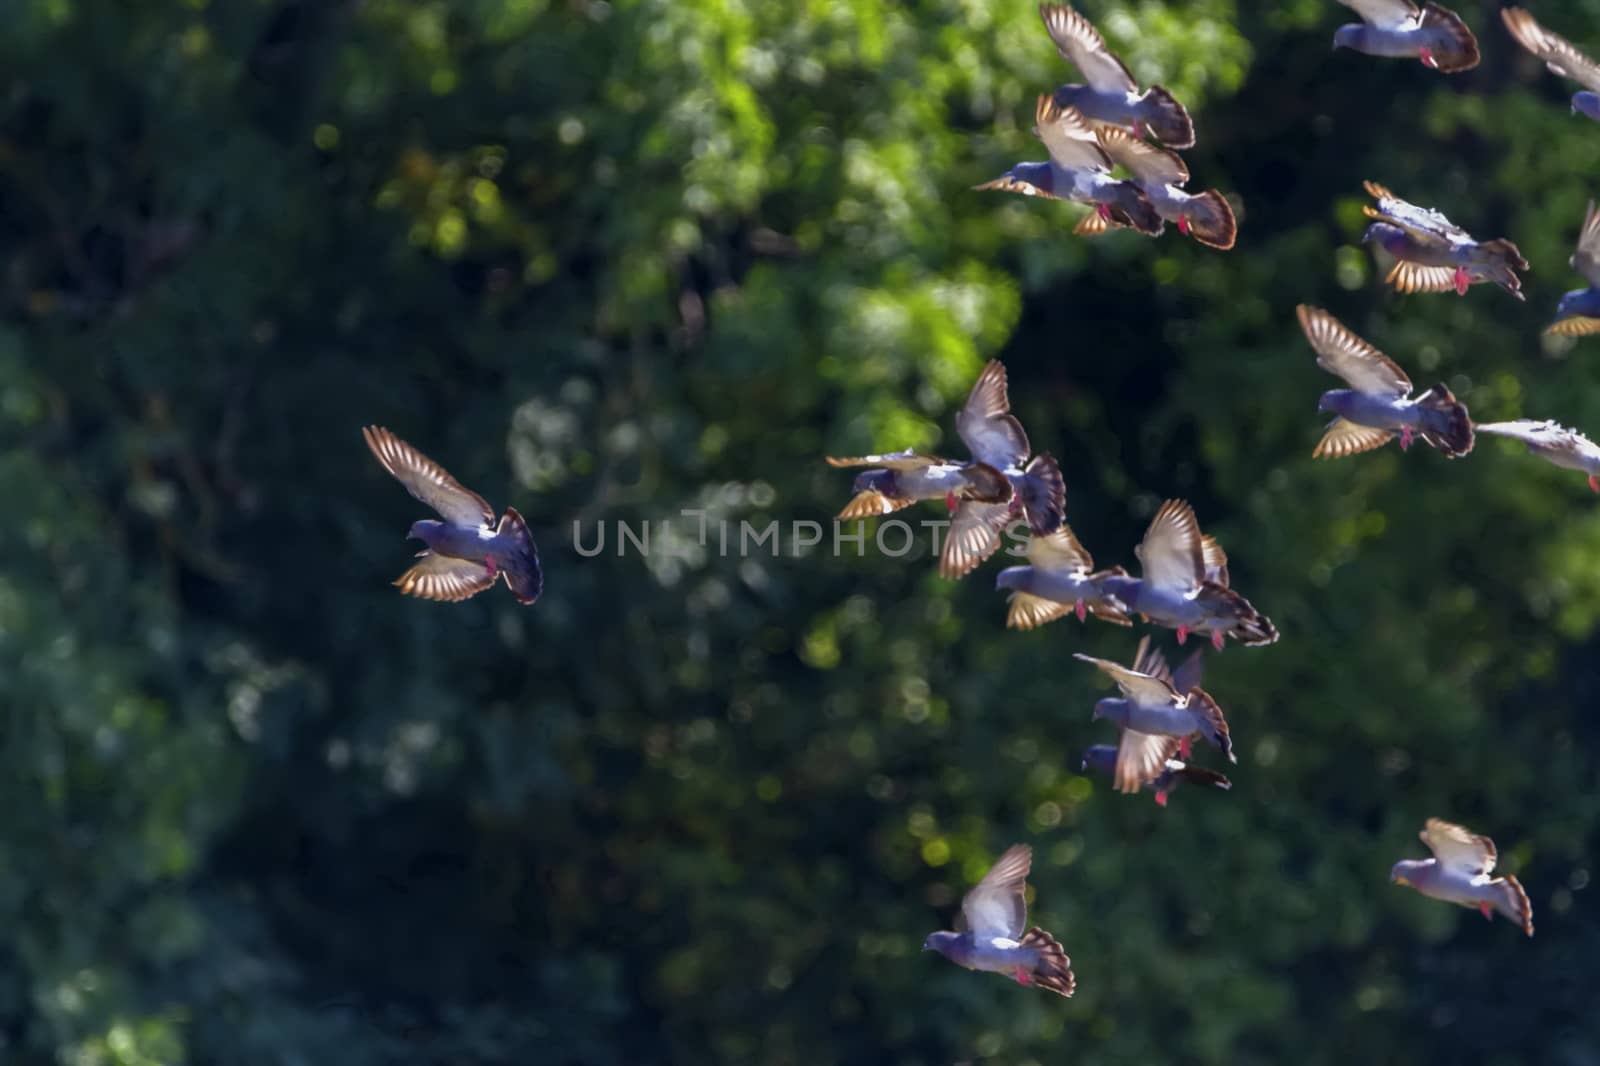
[(612, 261)]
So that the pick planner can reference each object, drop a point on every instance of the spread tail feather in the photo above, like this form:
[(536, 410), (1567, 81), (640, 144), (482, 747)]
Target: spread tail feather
[(1211, 220), (522, 571), (1498, 261), (1134, 210), (1250, 627), (1213, 726), (1167, 119), (1461, 52), (1054, 969), (986, 484), (1044, 494), (1512, 902), (1445, 422)]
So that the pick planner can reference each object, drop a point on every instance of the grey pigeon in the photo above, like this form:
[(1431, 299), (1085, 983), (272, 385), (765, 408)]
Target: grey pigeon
[(1433, 34), (903, 478), (994, 916), (1578, 313), (1378, 404), (1459, 873), (1078, 170), (1554, 442), (1103, 758), (1151, 709), (994, 436), (1059, 580), (1174, 588), (1560, 56), (1206, 216), (468, 550), (1111, 95), (1433, 254)]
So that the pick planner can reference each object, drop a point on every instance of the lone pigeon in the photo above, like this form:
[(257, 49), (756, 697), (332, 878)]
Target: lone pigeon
[(994, 436), (1173, 589), (1433, 254), (1554, 442), (1078, 170), (994, 915), (1459, 873), (1152, 709), (467, 551), (1207, 216), (1058, 581), (1578, 313), (903, 478), (1174, 771), (1378, 405), (1560, 56), (1112, 95), (1433, 34)]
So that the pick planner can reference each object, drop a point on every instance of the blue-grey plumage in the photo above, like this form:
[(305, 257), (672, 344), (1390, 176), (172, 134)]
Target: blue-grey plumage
[(1059, 580), (903, 478), (1560, 55), (1207, 217), (1433, 254), (1172, 773), (1553, 442), (1378, 405), (996, 938), (1151, 707), (1112, 95), (1459, 873), (467, 551), (1078, 170), (1578, 313), (1398, 28)]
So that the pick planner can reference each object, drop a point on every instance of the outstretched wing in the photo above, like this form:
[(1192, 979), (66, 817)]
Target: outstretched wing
[(906, 460), (428, 481), (1459, 848), (1386, 14), (1148, 163), (1558, 53), (1171, 556), (1424, 224), (985, 422), (439, 577), (1059, 552), (1068, 136), (1081, 45), (995, 906), (1341, 352), (1142, 689), (1586, 260)]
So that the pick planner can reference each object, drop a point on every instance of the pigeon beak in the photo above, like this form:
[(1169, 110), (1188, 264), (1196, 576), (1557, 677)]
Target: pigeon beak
[(1399, 879)]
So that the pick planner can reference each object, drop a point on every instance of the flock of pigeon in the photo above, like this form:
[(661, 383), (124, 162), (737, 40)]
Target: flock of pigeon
[(1088, 130)]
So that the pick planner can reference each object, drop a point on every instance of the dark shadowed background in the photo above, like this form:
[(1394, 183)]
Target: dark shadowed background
[(610, 261)]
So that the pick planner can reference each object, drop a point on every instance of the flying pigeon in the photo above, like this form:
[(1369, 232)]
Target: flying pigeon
[(1078, 170), (1207, 217), (1560, 56), (1433, 34), (1459, 873), (994, 436), (1578, 313), (1562, 446), (1433, 254), (1173, 589), (993, 916), (467, 551), (1174, 771), (903, 478), (1112, 95), (1378, 404), (1058, 581), (1152, 709)]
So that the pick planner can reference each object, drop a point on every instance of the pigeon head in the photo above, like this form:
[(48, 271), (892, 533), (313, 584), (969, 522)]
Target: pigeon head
[(1013, 577), (1391, 239), (1586, 103), (1112, 709), (1407, 872), (426, 530), (1572, 303), (1349, 36), (1102, 757), (1334, 400), (879, 481), (950, 945)]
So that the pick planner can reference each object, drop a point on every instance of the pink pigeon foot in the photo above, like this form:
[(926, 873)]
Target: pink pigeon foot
[(1594, 483), (1426, 55), (1405, 437), (1161, 799), (1080, 610), (1022, 977), (1183, 225), (1104, 211), (950, 502), (1218, 639), (1183, 634), (1138, 129), (489, 565), (1183, 749), (1462, 281), (1483, 909)]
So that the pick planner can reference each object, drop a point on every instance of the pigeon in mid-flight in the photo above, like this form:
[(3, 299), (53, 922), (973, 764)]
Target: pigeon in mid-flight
[(1459, 873), (994, 436), (1378, 405), (1112, 96), (1560, 55), (1174, 588), (1059, 580), (1433, 254), (1152, 708), (1078, 170), (1431, 33), (1578, 313), (468, 550), (1554, 442), (1103, 758), (1206, 216), (994, 915), (902, 478)]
